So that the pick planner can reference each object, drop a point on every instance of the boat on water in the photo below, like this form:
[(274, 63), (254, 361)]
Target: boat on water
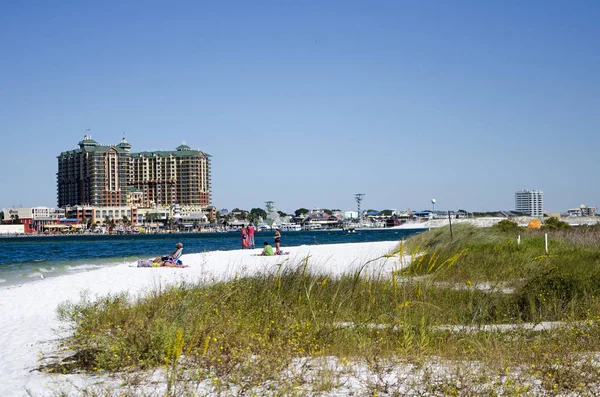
[(290, 227), (349, 227), (313, 226), (261, 227)]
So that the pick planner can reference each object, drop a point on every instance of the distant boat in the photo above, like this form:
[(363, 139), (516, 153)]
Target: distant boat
[(313, 226), (261, 227), (350, 228), (290, 227)]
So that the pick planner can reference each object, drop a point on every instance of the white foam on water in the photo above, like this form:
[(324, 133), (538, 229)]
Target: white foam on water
[(47, 270), (94, 266), (2, 280), (86, 266)]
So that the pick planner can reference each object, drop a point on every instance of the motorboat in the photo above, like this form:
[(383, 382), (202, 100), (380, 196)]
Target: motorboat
[(290, 227)]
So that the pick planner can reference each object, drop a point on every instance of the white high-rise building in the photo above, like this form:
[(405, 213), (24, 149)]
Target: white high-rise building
[(530, 202)]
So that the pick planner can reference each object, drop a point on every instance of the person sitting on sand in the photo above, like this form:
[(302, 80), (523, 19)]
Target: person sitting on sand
[(267, 251), (171, 260)]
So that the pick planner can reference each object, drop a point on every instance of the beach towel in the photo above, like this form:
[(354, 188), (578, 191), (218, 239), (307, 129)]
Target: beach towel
[(146, 263)]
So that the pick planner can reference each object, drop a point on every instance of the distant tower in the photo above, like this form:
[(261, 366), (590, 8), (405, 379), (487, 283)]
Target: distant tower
[(433, 202), (359, 198)]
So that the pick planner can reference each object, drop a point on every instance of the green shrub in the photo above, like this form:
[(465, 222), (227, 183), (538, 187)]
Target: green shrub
[(555, 224), (507, 225)]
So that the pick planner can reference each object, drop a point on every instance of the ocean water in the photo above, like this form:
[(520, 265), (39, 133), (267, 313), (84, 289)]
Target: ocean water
[(26, 259)]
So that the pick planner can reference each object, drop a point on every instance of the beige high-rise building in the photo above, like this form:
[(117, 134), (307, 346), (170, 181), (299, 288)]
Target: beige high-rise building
[(177, 177), (103, 176)]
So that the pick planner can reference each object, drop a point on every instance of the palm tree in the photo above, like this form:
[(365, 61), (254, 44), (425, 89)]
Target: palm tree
[(110, 224)]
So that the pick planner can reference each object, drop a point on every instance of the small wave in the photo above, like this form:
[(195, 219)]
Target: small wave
[(2, 280), (40, 260), (35, 275), (82, 267), (46, 270)]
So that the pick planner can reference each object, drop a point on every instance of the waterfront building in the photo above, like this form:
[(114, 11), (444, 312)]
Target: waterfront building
[(316, 219), (89, 214), (112, 176), (172, 177), (583, 210), (176, 213), (530, 202), (350, 215), (191, 211), (424, 215), (33, 213), (32, 218), (94, 174)]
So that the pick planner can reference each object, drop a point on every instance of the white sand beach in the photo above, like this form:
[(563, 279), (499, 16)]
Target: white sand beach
[(29, 324)]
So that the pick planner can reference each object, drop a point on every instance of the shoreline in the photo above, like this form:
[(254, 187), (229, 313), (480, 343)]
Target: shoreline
[(427, 224), (50, 257), (30, 321), (41, 235)]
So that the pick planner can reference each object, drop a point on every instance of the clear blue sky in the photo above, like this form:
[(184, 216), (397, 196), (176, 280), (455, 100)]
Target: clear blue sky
[(306, 103)]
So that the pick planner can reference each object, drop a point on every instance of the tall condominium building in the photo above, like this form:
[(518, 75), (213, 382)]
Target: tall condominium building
[(179, 177), (530, 202), (104, 176)]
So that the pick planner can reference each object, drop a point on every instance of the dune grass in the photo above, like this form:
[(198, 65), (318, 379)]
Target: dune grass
[(242, 334), (563, 283)]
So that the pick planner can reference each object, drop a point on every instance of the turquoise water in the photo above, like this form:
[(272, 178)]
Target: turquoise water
[(24, 259)]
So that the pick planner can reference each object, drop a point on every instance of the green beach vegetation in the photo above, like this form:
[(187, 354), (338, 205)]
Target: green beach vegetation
[(484, 312)]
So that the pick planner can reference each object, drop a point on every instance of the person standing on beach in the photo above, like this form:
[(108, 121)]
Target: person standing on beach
[(277, 239), (251, 231), (245, 239)]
